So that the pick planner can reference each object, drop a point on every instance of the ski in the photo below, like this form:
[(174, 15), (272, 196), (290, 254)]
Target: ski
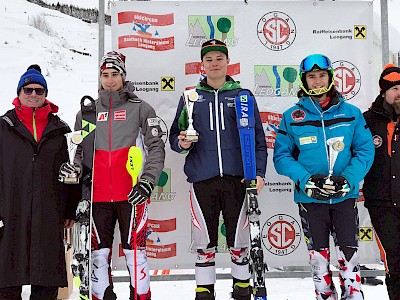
[(82, 229), (244, 104), (134, 166)]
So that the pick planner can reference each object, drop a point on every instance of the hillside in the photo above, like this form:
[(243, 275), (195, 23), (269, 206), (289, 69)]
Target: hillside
[(69, 74)]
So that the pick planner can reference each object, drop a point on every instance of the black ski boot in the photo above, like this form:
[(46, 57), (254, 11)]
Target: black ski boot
[(204, 294), (109, 294), (138, 297), (241, 291)]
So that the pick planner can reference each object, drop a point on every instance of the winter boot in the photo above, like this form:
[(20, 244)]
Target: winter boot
[(146, 296), (203, 293), (241, 291), (109, 294)]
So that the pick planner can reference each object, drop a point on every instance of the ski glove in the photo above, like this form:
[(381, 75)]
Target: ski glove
[(314, 188), (338, 186), (141, 192), (68, 171)]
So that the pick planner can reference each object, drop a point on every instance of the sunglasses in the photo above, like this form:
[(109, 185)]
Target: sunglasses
[(315, 61), (38, 91)]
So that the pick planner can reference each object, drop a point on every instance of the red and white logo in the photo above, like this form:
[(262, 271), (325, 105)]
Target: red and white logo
[(276, 31), (120, 115), (347, 78), (102, 116), (281, 234), (377, 141), (298, 115)]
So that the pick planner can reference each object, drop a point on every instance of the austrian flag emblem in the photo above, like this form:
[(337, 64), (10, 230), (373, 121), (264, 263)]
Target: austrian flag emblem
[(120, 115)]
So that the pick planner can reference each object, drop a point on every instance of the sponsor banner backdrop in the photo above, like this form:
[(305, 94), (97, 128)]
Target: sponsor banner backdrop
[(266, 41)]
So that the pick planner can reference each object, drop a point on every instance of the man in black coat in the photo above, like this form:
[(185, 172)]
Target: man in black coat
[(382, 184), (34, 206)]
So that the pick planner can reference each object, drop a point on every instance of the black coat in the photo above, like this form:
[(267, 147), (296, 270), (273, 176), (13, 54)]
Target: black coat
[(33, 203), (382, 183)]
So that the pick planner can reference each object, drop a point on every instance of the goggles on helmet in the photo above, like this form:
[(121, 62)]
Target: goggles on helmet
[(311, 63), (315, 62)]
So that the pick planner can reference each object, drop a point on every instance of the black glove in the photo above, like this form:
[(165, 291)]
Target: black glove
[(141, 192), (338, 186), (314, 188), (68, 171)]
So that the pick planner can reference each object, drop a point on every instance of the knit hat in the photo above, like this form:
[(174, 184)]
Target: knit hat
[(32, 75), (213, 45), (389, 77), (113, 60)]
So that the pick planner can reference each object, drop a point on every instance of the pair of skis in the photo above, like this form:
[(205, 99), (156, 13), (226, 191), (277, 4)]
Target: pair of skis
[(82, 229), (244, 103), (81, 268)]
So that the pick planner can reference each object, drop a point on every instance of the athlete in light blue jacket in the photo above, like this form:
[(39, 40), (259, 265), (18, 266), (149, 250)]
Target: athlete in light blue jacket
[(325, 147)]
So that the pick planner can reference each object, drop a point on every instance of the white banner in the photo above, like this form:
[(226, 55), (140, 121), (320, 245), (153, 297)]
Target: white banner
[(266, 41)]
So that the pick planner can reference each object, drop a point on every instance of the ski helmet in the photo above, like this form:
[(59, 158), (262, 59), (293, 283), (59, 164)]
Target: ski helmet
[(311, 63)]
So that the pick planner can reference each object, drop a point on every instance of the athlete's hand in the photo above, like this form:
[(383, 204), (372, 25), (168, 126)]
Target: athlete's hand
[(67, 170), (141, 192), (338, 186), (314, 188), (260, 184), (185, 145)]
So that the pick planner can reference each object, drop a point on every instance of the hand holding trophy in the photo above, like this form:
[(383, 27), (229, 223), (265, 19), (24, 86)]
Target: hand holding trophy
[(190, 98), (69, 174), (335, 145)]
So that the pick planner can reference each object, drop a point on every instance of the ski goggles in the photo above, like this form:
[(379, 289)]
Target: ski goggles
[(38, 91), (315, 62)]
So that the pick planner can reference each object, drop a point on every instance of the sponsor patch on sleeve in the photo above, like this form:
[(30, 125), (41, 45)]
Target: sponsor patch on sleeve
[(153, 121), (308, 140)]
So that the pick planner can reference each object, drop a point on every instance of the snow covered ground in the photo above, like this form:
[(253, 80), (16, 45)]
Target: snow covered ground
[(71, 75), (277, 289)]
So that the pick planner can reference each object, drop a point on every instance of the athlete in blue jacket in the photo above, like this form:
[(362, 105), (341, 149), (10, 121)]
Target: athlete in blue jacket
[(325, 147), (214, 168)]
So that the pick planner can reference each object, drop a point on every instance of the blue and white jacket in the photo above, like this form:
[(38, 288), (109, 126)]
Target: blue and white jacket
[(218, 151), (301, 149)]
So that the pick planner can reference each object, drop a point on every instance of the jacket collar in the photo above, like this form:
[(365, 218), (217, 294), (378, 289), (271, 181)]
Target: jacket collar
[(380, 107), (117, 98), (229, 85), (313, 106)]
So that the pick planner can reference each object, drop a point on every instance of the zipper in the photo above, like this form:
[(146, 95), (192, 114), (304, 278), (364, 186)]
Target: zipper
[(211, 117), (110, 146), (34, 125), (221, 173), (221, 109)]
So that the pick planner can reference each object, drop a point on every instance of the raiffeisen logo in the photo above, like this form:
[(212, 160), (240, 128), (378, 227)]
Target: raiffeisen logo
[(347, 78), (145, 31), (276, 81), (276, 31), (203, 28)]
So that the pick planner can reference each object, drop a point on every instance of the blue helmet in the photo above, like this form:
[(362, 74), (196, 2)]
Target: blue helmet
[(311, 63)]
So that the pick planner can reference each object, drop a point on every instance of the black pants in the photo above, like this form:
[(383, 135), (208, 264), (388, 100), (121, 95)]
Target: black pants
[(319, 220), (386, 222), (38, 292)]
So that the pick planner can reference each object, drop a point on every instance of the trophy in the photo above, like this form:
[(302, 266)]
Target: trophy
[(335, 145), (191, 97), (73, 140)]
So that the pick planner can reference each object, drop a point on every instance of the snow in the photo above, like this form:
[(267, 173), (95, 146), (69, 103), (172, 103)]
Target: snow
[(277, 289), (71, 75)]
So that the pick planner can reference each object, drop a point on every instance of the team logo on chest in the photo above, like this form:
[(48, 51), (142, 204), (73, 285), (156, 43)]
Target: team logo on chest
[(377, 141), (102, 116), (120, 115), (298, 115)]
